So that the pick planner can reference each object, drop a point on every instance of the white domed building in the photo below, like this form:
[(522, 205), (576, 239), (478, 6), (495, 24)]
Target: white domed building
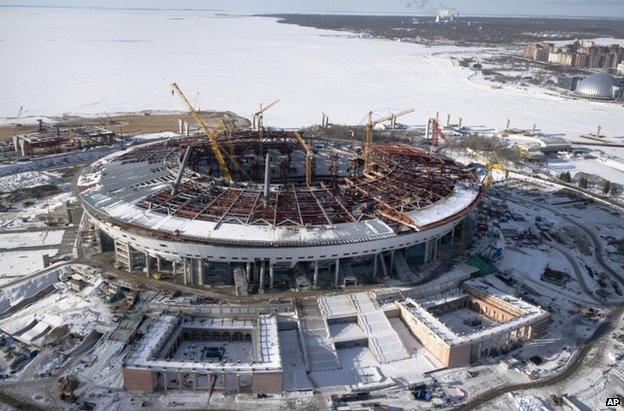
[(599, 87)]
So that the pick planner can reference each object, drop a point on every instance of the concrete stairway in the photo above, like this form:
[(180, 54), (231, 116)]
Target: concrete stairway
[(319, 348)]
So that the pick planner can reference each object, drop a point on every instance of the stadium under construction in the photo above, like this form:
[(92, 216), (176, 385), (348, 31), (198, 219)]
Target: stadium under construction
[(274, 210)]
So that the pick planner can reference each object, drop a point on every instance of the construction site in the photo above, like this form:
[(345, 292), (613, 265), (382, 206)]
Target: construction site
[(262, 209), (222, 265)]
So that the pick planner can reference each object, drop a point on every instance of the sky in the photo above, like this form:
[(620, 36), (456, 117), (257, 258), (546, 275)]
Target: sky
[(596, 8)]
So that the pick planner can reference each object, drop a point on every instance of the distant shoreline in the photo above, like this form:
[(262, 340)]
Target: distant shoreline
[(462, 30), (315, 13)]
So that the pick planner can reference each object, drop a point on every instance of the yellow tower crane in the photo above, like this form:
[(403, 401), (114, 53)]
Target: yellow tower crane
[(308, 151), (212, 136), (370, 125)]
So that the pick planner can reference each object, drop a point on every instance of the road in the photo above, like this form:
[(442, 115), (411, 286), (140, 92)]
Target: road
[(592, 236), (582, 357), (577, 272)]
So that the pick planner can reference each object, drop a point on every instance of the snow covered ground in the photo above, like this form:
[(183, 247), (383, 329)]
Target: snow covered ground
[(605, 169), (82, 311), (30, 239), (28, 179), (17, 264), (55, 61)]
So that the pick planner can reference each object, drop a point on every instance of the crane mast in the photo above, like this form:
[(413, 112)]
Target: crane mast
[(308, 151), (212, 136), (436, 132)]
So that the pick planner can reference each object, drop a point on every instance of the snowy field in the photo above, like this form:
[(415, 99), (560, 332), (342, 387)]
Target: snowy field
[(17, 264), (55, 61), (30, 239)]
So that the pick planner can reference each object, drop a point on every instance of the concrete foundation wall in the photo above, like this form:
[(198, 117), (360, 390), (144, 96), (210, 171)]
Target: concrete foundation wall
[(139, 380), (432, 343), (267, 382), (494, 312), (459, 355)]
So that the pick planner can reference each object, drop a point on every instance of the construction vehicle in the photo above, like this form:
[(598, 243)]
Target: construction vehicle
[(212, 135), (488, 180), (68, 385), (436, 133), (309, 157), (370, 125)]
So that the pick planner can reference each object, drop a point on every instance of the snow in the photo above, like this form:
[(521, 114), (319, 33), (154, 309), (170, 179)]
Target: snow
[(611, 169), (16, 264), (30, 239), (35, 215), (346, 331), (11, 295), (28, 179), (154, 136), (57, 160), (82, 312), (124, 60)]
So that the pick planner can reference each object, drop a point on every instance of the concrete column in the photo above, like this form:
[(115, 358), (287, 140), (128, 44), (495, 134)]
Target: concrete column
[(316, 272), (98, 239), (261, 285), (192, 264), (462, 234), (185, 270), (375, 264), (225, 386), (248, 269), (195, 382), (174, 267), (166, 377), (382, 260), (158, 264), (200, 272), (271, 274), (452, 238), (426, 257), (179, 381), (238, 383), (337, 273), (392, 262), (147, 265)]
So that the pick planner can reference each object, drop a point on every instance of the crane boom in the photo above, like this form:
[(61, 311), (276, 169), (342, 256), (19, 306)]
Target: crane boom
[(258, 117), (368, 142), (268, 106), (393, 116), (212, 137)]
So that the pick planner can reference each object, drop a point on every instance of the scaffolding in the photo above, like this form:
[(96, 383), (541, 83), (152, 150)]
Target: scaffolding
[(400, 179)]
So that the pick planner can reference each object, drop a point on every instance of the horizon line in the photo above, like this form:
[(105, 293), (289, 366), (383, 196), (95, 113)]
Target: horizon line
[(318, 13)]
